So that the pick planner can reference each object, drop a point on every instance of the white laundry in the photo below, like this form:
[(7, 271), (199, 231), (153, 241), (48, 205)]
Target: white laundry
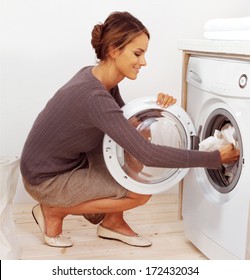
[(220, 138), (231, 29), (9, 172), (225, 24), (223, 137), (228, 35)]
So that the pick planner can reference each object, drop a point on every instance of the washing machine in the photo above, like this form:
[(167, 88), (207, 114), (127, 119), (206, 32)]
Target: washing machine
[(216, 204)]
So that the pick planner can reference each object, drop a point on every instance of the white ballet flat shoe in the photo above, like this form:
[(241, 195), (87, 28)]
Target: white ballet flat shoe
[(59, 240), (136, 240)]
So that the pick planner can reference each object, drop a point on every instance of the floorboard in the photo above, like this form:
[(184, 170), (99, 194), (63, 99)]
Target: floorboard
[(157, 220)]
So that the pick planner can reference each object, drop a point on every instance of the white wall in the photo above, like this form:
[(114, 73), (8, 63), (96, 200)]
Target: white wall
[(44, 43)]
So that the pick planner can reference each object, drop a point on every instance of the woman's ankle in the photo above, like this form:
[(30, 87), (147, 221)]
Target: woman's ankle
[(117, 223), (53, 222)]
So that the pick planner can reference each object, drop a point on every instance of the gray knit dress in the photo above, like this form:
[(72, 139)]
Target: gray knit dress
[(62, 162)]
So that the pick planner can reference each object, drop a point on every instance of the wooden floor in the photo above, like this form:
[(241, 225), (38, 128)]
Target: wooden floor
[(157, 220)]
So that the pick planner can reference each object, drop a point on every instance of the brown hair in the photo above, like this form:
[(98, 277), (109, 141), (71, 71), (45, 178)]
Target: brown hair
[(117, 31)]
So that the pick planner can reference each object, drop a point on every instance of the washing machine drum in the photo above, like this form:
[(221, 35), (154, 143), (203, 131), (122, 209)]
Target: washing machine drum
[(163, 126)]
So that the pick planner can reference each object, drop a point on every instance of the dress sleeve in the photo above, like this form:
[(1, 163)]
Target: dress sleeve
[(106, 115)]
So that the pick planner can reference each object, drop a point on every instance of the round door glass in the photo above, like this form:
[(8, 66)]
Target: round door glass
[(161, 128)]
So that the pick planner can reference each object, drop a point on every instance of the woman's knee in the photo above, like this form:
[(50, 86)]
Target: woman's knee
[(141, 199)]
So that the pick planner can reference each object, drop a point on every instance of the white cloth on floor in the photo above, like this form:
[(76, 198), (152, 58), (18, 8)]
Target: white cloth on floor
[(9, 173), (229, 35), (223, 24), (220, 138)]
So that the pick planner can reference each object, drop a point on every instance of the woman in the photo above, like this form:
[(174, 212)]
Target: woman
[(62, 163)]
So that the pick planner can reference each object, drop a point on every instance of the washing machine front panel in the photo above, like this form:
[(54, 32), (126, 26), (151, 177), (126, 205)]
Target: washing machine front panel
[(167, 127), (215, 213), (220, 185), (220, 77)]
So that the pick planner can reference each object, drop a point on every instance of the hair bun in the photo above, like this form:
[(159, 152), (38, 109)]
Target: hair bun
[(96, 38)]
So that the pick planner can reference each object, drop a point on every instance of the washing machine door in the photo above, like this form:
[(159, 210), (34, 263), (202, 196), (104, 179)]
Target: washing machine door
[(168, 127)]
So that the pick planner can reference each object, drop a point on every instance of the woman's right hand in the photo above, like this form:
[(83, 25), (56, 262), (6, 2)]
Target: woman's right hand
[(228, 154)]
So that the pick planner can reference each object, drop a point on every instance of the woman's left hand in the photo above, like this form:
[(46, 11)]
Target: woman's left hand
[(165, 100)]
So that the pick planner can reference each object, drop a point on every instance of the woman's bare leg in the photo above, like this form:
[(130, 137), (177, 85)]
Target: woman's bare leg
[(113, 207)]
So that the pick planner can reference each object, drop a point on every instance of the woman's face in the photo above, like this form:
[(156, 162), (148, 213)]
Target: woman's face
[(129, 60)]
